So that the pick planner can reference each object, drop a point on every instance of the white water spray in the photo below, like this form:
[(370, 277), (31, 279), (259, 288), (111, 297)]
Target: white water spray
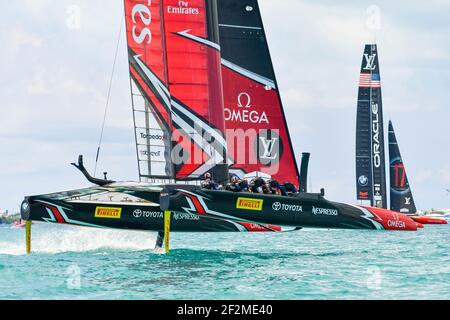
[(53, 239)]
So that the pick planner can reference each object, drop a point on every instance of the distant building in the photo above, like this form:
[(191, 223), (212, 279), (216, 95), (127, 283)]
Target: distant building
[(439, 213), (444, 211)]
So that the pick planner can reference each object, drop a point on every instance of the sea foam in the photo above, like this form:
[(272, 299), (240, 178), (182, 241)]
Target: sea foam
[(57, 239)]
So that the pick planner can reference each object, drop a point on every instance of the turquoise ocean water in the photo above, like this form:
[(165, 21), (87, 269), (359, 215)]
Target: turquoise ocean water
[(76, 263)]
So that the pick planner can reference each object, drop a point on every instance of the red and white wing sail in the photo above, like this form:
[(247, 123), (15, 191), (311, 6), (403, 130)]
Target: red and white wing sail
[(175, 64)]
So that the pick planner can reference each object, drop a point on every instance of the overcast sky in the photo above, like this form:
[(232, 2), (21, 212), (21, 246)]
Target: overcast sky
[(55, 74)]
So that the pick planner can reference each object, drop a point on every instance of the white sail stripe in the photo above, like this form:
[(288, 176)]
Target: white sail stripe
[(218, 137), (159, 86), (187, 129), (211, 44), (215, 157), (249, 74), (239, 27)]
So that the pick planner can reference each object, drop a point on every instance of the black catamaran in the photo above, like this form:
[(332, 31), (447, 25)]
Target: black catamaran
[(177, 99), (370, 149), (402, 199), (401, 195), (202, 106)]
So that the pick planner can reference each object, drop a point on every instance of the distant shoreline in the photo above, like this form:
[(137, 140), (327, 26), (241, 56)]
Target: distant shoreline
[(9, 219)]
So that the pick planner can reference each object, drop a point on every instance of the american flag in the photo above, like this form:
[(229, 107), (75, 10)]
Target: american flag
[(367, 80)]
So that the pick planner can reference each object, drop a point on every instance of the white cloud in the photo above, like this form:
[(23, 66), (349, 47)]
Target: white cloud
[(21, 40)]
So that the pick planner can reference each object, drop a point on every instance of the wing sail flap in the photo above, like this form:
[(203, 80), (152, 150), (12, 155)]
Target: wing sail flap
[(402, 199), (254, 113)]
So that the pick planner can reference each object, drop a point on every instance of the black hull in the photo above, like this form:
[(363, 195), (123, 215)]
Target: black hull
[(141, 207), (139, 216), (304, 210)]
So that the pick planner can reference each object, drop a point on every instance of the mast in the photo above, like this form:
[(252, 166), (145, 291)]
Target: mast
[(370, 149), (402, 199), (304, 172)]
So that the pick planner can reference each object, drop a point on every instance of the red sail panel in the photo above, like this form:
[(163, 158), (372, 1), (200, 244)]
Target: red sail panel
[(187, 59), (256, 130), (194, 78), (145, 38), (257, 133)]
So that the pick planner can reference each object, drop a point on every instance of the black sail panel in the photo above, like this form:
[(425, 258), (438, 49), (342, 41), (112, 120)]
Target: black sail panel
[(258, 136), (370, 149), (401, 195)]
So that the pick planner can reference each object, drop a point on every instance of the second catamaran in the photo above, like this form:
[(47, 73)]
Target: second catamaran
[(402, 199)]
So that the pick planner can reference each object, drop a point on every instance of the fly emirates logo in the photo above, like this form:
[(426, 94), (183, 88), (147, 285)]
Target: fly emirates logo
[(141, 16), (183, 7)]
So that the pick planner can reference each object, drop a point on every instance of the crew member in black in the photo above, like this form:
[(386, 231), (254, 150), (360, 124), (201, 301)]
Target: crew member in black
[(289, 188), (243, 184), (234, 185), (259, 185), (275, 188), (209, 184)]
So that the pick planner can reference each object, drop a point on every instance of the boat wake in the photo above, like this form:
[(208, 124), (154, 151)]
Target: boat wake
[(51, 239)]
